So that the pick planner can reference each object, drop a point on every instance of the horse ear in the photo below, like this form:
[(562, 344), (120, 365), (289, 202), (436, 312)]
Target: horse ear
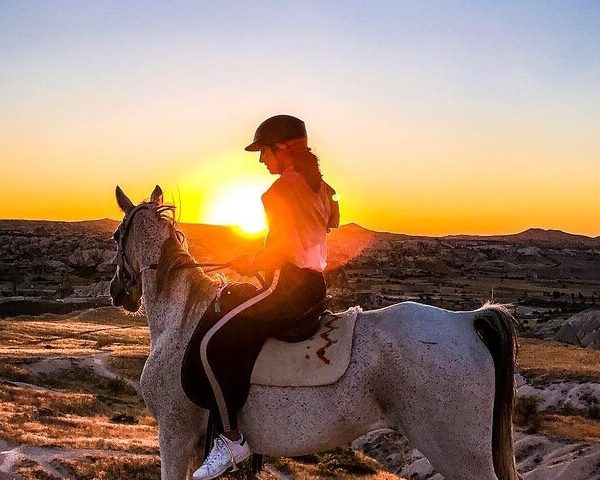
[(157, 195), (124, 203)]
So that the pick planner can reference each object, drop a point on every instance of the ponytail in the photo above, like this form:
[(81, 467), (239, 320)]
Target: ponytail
[(306, 164)]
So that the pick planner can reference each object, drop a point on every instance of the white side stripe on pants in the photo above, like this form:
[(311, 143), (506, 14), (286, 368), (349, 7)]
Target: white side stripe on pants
[(204, 344)]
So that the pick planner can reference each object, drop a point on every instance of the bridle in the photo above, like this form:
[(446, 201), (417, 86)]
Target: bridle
[(120, 236), (125, 269)]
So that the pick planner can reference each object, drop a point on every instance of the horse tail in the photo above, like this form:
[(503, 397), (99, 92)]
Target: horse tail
[(496, 327)]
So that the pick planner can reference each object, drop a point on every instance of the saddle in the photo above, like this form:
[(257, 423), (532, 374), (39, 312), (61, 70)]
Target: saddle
[(235, 294), (319, 360), (310, 353)]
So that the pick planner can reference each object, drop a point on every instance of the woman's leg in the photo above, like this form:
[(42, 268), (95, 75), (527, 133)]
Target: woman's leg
[(229, 350), (233, 344)]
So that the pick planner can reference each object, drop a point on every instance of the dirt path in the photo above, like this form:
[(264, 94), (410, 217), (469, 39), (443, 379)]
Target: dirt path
[(98, 363), (44, 456)]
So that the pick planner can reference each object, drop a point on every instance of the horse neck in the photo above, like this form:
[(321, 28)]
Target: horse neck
[(165, 312)]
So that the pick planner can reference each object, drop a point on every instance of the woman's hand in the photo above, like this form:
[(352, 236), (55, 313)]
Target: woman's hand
[(244, 265)]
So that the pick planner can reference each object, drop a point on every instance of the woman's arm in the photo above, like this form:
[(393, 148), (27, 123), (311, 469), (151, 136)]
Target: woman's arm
[(264, 260)]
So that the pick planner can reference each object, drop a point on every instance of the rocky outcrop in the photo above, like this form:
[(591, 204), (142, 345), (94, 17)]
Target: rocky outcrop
[(560, 394), (90, 257), (52, 259), (543, 458), (58, 266), (582, 329), (100, 289), (46, 259), (538, 457)]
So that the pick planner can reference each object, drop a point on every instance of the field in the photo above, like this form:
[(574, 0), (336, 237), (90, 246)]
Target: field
[(69, 406)]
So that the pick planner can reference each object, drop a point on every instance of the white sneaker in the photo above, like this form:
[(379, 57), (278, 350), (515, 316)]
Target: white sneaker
[(225, 455)]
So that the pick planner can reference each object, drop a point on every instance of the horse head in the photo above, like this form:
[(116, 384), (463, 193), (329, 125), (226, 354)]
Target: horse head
[(139, 238)]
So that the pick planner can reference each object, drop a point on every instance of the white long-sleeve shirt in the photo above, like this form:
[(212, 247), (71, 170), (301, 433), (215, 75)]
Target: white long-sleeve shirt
[(297, 217)]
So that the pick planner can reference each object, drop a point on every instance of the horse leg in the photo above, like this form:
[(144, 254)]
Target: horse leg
[(456, 449), (461, 461), (454, 433), (448, 418), (181, 450)]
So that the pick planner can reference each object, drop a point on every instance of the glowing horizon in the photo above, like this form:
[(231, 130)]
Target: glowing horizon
[(474, 119)]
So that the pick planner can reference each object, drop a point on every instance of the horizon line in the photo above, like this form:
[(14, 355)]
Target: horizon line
[(233, 226)]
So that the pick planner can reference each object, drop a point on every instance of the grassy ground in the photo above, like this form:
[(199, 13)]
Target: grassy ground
[(546, 360), (78, 424), (571, 427), (87, 426)]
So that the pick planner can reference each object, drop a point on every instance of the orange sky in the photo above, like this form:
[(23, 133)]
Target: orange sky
[(420, 129)]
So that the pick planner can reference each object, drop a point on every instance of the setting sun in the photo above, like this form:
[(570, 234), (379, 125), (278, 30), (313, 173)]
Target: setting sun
[(240, 206)]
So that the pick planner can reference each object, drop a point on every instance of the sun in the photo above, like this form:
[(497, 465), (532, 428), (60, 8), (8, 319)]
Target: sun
[(240, 206)]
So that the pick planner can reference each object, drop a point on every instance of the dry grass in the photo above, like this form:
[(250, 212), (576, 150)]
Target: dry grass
[(126, 365), (571, 427), (83, 379), (342, 463), (67, 419), (110, 316), (49, 334), (75, 406), (545, 360), (14, 372), (109, 468), (30, 470)]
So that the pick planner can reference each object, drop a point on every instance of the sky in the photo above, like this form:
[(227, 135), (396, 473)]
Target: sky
[(428, 117)]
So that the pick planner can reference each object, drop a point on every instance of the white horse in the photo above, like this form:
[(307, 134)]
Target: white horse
[(444, 379)]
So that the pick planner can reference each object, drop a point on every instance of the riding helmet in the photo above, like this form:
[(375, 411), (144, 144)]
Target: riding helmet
[(277, 129)]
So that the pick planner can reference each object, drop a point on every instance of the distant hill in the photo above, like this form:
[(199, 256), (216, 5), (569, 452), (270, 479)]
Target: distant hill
[(39, 227), (50, 260), (538, 236), (223, 236)]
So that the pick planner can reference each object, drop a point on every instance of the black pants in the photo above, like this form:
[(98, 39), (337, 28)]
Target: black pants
[(230, 348)]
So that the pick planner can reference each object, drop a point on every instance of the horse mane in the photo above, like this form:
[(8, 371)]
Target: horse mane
[(175, 257)]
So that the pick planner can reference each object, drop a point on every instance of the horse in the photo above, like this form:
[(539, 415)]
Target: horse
[(443, 379)]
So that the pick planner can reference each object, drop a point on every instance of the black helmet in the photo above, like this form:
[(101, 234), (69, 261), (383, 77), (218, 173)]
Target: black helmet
[(277, 129)]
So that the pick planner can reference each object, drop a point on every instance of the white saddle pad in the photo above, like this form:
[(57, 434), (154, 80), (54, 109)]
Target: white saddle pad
[(320, 360)]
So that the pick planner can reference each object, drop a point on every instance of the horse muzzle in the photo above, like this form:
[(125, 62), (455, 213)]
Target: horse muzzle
[(121, 298)]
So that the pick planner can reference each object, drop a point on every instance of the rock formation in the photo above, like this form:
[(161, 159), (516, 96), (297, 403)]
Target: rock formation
[(582, 329)]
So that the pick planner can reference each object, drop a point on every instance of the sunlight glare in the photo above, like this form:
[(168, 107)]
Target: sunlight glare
[(240, 206)]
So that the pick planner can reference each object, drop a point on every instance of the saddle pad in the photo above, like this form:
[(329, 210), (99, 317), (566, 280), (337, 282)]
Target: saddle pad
[(320, 360)]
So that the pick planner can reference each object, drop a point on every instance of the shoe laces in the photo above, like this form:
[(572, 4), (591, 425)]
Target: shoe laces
[(219, 448)]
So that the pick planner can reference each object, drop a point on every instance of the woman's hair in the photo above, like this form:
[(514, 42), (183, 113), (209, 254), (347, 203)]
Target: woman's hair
[(305, 162)]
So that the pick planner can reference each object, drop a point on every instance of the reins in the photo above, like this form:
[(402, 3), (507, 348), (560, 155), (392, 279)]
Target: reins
[(206, 267), (212, 267)]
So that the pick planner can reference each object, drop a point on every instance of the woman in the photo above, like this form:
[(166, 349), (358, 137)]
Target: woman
[(300, 210)]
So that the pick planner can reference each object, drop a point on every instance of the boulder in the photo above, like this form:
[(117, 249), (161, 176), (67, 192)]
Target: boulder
[(100, 289), (90, 257), (58, 265), (582, 329), (108, 266), (529, 251)]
